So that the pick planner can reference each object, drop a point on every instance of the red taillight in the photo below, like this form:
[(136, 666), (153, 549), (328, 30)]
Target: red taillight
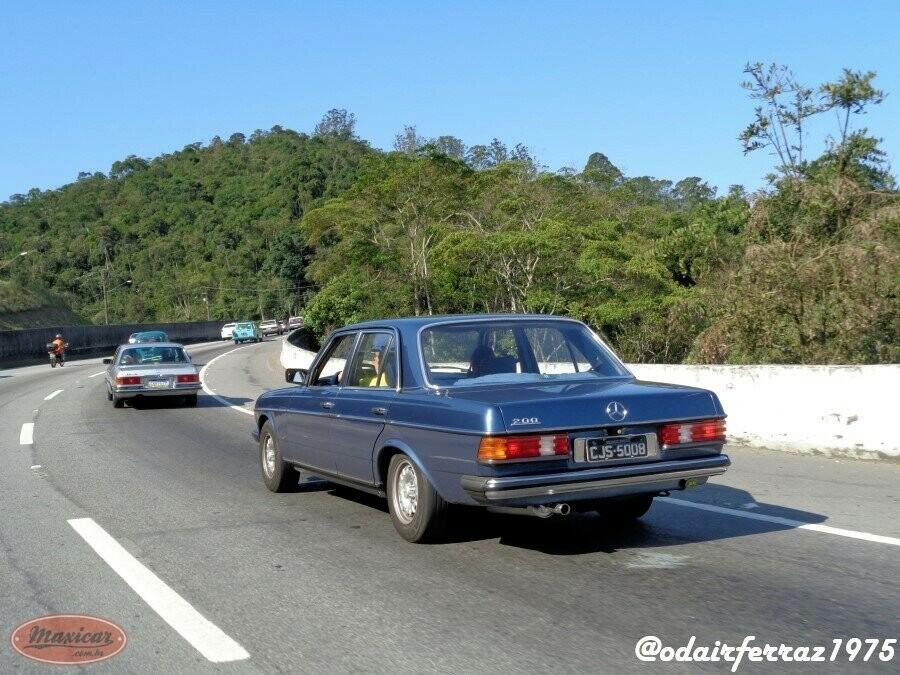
[(188, 378), (128, 379), (702, 431), (504, 448)]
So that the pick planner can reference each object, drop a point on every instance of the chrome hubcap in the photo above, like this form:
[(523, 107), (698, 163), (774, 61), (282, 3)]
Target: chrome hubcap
[(269, 457), (406, 492)]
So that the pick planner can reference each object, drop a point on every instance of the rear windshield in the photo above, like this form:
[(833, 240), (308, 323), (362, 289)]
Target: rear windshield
[(138, 356), (496, 352)]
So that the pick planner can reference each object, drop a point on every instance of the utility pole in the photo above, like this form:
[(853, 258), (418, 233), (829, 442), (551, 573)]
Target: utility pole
[(206, 302)]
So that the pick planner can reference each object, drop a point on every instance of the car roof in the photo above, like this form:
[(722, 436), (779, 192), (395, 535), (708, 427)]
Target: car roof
[(150, 332), (145, 345), (416, 322)]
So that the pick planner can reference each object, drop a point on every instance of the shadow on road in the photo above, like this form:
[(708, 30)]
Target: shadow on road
[(169, 402), (664, 525)]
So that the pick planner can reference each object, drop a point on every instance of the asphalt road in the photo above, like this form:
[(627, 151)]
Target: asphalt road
[(318, 580)]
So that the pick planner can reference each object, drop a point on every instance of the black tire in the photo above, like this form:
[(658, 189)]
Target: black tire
[(108, 394), (191, 400), (118, 402), (278, 475), (427, 519), (53, 364)]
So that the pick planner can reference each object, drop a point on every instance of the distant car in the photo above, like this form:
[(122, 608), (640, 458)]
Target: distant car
[(532, 415), (227, 329), (246, 331), (151, 370), (271, 327), (295, 322), (298, 349), (147, 336)]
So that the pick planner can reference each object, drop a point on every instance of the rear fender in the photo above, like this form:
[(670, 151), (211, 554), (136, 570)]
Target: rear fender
[(388, 446)]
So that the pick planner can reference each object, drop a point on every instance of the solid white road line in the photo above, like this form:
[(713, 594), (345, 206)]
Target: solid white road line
[(209, 391), (97, 374), (800, 525), (26, 436), (55, 393), (202, 634)]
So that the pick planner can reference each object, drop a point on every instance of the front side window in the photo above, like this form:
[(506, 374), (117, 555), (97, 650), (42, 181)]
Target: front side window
[(514, 351), (375, 362), (331, 367)]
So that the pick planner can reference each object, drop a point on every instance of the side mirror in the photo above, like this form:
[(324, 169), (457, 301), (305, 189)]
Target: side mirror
[(106, 362), (295, 375)]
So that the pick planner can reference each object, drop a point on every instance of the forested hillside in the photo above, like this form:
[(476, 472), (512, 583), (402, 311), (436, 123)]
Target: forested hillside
[(805, 271)]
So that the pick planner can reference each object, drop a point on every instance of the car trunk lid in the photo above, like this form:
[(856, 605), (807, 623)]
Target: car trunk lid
[(575, 405)]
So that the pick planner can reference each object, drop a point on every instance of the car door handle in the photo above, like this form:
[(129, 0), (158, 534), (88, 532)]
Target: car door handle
[(328, 405), (379, 411)]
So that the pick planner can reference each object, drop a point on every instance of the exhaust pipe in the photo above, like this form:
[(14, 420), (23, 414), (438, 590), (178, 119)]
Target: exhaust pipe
[(541, 511)]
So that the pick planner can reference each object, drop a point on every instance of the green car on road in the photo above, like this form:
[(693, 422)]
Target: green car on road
[(246, 331)]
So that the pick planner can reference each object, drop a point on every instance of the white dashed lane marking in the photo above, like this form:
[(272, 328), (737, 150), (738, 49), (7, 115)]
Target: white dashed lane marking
[(97, 374), (798, 524), (200, 632), (54, 394), (26, 436)]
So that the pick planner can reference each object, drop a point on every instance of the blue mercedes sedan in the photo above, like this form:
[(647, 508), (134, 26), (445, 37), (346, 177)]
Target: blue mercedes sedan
[(525, 414)]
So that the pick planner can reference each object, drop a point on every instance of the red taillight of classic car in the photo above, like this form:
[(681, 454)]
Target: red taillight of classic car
[(128, 380), (505, 448), (701, 431), (185, 379)]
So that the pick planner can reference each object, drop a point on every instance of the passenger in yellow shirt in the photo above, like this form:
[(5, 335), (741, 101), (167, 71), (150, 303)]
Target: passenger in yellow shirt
[(377, 380)]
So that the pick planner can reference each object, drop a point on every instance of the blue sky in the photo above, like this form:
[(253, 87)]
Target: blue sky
[(654, 85)]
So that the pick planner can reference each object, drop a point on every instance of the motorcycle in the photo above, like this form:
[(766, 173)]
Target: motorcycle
[(55, 357)]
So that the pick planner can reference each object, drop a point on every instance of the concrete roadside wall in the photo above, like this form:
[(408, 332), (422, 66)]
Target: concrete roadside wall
[(24, 345), (834, 410)]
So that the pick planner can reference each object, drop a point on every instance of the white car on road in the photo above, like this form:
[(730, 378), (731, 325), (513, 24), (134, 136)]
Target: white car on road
[(270, 327), (227, 330), (298, 349)]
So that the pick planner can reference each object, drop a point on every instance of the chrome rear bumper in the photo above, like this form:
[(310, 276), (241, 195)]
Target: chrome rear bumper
[(594, 483)]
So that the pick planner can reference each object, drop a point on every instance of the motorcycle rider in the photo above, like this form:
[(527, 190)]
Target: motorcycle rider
[(59, 348)]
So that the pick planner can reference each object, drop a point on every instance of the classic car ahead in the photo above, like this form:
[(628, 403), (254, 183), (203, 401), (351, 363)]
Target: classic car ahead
[(521, 414), (246, 331), (271, 327), (227, 330), (151, 370), (147, 336)]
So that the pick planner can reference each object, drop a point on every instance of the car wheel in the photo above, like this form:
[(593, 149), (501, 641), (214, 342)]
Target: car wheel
[(418, 512), (118, 402), (191, 400), (108, 394), (278, 475)]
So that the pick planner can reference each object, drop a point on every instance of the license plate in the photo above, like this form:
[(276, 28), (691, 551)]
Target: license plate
[(617, 447), (157, 384)]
